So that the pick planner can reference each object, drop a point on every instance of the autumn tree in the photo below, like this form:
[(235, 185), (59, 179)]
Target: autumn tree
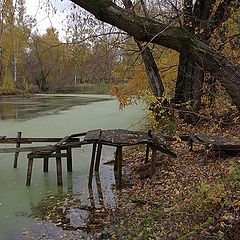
[(15, 29), (171, 35), (44, 58)]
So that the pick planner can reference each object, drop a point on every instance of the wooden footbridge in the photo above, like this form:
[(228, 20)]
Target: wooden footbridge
[(62, 148)]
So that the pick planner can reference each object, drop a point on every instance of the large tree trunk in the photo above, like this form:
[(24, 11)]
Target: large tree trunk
[(177, 38), (183, 92), (190, 75)]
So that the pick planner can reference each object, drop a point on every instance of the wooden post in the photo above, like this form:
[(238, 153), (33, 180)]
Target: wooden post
[(69, 159), (59, 167), (116, 160), (153, 162), (92, 164), (119, 165), (45, 164), (29, 171), (147, 154), (98, 158), (19, 135)]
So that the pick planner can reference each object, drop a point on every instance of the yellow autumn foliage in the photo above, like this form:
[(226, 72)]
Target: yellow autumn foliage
[(8, 84), (135, 87)]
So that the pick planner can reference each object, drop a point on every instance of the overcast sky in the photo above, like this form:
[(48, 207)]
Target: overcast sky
[(45, 16)]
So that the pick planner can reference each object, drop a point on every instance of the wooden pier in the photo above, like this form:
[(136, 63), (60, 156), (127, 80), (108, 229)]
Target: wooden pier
[(62, 148)]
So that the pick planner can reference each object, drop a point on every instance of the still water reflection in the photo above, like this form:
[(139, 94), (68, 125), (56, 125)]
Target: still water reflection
[(55, 116), (20, 109)]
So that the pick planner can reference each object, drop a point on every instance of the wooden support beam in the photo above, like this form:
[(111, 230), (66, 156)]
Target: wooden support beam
[(42, 148), (59, 168), (29, 171), (92, 164), (153, 162), (147, 154), (50, 155), (98, 158), (45, 164), (69, 159), (19, 135), (5, 140), (116, 161), (119, 166)]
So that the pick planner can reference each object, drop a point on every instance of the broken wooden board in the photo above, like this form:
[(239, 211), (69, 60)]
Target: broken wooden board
[(5, 140), (215, 143)]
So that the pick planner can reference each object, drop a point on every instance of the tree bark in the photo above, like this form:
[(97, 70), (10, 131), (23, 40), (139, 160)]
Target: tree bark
[(149, 30)]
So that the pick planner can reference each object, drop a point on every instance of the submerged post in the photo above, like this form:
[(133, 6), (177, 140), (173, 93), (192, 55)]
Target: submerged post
[(92, 164), (45, 164), (59, 167), (119, 165), (29, 171), (98, 157), (69, 159), (19, 135)]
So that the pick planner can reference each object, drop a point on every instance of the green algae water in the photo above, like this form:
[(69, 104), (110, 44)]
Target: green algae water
[(54, 116)]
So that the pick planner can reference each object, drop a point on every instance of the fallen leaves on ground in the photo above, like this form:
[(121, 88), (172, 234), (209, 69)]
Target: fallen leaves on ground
[(195, 196)]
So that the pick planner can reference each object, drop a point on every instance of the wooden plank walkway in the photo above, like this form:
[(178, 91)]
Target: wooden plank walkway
[(118, 138)]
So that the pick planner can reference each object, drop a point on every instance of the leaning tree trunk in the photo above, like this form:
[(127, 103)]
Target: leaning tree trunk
[(152, 71), (178, 38)]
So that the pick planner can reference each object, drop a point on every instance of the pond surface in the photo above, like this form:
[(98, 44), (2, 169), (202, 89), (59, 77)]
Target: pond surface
[(55, 116)]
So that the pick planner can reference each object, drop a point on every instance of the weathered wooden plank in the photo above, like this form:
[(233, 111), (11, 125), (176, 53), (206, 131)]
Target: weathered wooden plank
[(142, 137), (121, 136), (107, 136), (93, 135), (78, 134), (5, 140), (138, 137), (25, 149), (59, 143), (211, 139), (226, 147), (115, 137), (42, 148), (51, 155)]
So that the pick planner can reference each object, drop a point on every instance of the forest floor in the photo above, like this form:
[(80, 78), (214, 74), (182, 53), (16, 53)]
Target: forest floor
[(193, 196)]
